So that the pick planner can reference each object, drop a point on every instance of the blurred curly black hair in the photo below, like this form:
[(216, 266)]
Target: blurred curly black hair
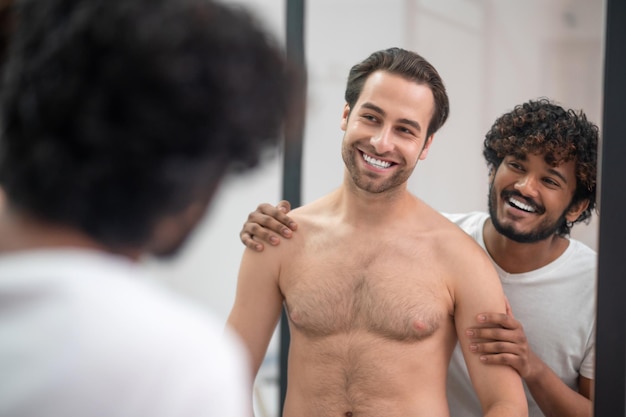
[(7, 25), (542, 127), (116, 113)]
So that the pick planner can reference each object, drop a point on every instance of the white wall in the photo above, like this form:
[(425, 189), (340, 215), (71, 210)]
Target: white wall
[(492, 54)]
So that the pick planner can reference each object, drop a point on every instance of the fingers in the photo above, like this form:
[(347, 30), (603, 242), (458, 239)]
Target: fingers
[(502, 353), (497, 319), (249, 241), (266, 224), (284, 206), (274, 218), (500, 340), (496, 347), (258, 230), (516, 336)]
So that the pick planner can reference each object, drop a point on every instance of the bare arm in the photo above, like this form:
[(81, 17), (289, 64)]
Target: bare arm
[(266, 224), (258, 303), (500, 393), (507, 344)]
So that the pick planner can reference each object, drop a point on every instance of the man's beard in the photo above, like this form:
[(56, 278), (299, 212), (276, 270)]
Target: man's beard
[(369, 181), (545, 230)]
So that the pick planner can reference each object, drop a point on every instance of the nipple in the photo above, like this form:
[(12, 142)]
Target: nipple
[(419, 325), (348, 413), (295, 317)]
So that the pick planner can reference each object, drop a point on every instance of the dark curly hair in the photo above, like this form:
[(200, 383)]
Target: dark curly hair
[(116, 113), (7, 24), (542, 127), (406, 64)]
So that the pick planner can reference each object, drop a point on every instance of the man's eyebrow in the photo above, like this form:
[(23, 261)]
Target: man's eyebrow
[(374, 107), (558, 174), (377, 109), (550, 170)]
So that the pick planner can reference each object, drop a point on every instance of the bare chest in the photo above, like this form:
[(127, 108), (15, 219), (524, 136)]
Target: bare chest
[(394, 290)]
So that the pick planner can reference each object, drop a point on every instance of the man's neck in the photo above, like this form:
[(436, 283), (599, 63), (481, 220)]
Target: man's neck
[(361, 207), (514, 257), (19, 232)]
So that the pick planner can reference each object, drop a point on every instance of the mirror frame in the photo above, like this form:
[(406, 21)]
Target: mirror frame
[(610, 387)]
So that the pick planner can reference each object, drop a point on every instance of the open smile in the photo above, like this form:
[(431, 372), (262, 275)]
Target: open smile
[(520, 203), (375, 162), (515, 203)]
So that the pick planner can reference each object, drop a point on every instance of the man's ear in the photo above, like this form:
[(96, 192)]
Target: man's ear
[(344, 117), (575, 210), (426, 147)]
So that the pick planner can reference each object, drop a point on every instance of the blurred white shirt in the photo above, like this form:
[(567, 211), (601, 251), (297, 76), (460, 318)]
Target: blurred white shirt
[(88, 334)]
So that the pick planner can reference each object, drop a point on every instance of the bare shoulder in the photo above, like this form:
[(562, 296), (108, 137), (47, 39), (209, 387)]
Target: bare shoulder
[(472, 276), (313, 216), (456, 239), (451, 238), (448, 236), (462, 255)]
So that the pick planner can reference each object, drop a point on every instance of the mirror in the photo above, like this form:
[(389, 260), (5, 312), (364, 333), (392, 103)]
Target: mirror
[(491, 54)]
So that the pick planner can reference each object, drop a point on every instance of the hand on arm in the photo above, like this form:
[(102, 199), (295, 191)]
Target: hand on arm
[(499, 388), (504, 342), (266, 224)]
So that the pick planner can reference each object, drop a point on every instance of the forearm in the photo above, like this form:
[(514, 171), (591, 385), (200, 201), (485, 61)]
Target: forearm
[(553, 396), (504, 409), (502, 394)]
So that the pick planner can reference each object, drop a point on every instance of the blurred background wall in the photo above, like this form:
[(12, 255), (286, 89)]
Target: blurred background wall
[(492, 55)]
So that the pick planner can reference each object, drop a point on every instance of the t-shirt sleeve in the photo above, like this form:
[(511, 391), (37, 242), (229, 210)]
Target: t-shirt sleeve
[(587, 368)]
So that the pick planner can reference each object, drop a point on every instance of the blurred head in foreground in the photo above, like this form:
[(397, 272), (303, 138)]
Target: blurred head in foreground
[(121, 117)]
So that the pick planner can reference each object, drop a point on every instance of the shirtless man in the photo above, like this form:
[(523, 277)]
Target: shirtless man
[(375, 294)]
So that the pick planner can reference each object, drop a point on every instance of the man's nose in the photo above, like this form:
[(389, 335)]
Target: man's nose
[(382, 141), (527, 185)]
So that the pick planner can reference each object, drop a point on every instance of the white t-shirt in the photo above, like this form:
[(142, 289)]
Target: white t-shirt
[(89, 334), (556, 306)]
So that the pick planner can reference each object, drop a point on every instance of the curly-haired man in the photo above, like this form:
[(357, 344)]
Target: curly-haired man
[(543, 164), (119, 120)]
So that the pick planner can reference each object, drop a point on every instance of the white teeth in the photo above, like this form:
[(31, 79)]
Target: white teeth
[(376, 162), (521, 206)]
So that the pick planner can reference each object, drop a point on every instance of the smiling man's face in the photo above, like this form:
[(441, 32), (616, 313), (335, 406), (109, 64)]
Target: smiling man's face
[(385, 132), (530, 199)]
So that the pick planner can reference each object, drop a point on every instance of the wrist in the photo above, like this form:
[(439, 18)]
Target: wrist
[(535, 369)]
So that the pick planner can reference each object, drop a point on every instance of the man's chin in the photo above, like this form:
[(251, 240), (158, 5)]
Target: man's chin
[(513, 233)]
